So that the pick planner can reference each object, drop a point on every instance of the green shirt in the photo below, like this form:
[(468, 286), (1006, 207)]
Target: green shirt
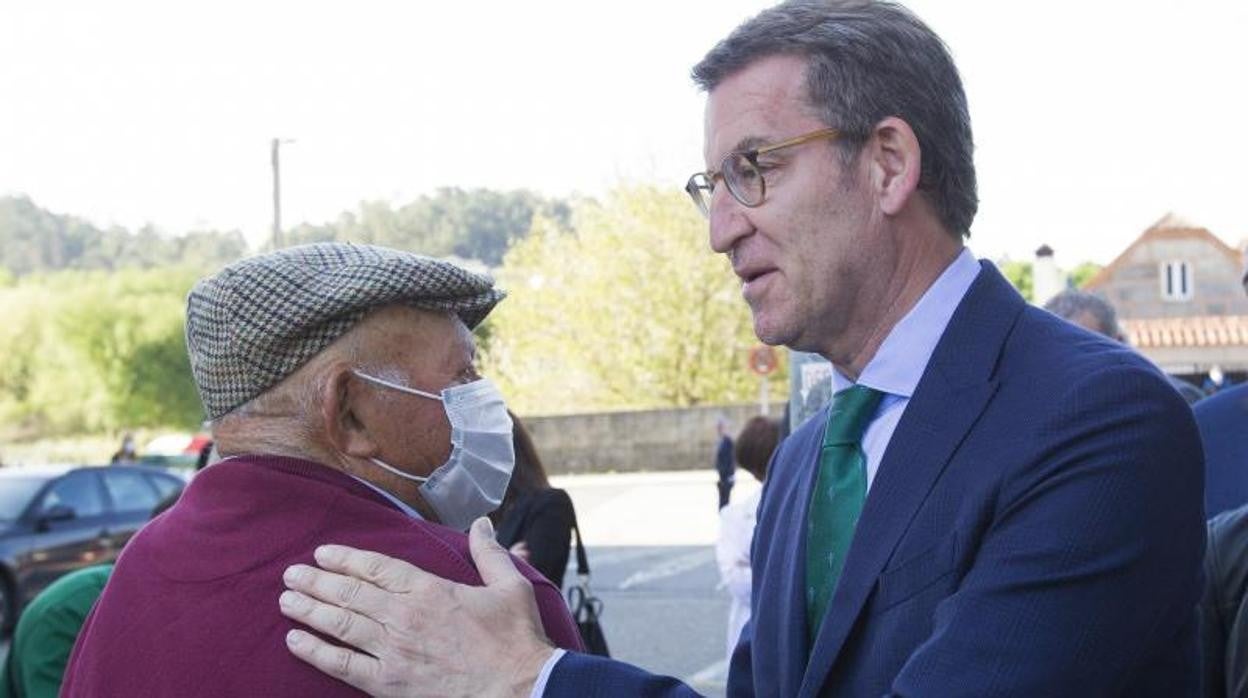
[(46, 633)]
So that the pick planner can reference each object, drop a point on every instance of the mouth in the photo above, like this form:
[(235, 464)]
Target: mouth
[(754, 282), (749, 275)]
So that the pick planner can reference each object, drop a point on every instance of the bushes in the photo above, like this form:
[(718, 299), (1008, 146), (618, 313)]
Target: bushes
[(93, 352)]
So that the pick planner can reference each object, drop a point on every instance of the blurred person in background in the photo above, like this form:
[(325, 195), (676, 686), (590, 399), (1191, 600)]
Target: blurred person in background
[(1223, 423), (1215, 380), (535, 520), (126, 454), (723, 462), (1224, 608), (755, 444), (344, 400)]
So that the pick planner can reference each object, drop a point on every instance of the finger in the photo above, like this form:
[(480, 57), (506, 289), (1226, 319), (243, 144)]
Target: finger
[(385, 572), (357, 669), (339, 590), (348, 626), (492, 561)]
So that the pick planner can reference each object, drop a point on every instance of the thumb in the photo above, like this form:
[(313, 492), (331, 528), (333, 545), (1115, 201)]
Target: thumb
[(492, 561)]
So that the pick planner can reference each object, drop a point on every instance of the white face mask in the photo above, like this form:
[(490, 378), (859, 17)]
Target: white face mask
[(472, 481)]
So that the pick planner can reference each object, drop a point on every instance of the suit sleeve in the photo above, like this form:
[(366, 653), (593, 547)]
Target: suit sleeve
[(1092, 557), (577, 675)]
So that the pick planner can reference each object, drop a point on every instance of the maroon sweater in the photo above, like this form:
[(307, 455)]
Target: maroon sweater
[(191, 608)]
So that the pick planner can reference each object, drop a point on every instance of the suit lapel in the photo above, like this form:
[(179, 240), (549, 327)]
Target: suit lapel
[(789, 572), (954, 390)]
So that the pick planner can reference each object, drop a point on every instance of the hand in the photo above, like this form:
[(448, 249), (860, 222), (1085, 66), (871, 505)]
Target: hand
[(423, 635), (520, 549)]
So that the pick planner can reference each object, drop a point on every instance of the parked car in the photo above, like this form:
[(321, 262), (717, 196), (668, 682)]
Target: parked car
[(57, 519), (177, 452)]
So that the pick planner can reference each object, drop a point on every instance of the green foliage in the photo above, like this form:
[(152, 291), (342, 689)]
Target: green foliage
[(88, 352), (1019, 274), (478, 224), (614, 305), (1083, 273), (627, 309)]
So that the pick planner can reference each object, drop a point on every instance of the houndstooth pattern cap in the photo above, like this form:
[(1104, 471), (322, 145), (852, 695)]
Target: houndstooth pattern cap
[(258, 320)]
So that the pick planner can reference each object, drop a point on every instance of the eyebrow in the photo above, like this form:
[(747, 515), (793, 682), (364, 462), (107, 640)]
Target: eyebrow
[(744, 145), (749, 143)]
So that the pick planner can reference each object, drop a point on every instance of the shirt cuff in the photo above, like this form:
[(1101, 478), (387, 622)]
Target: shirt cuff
[(539, 687)]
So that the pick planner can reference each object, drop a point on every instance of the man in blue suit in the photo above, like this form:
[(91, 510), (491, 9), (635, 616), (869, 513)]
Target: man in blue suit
[(1223, 423), (995, 503)]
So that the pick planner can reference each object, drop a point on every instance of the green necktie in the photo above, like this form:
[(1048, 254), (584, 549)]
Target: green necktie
[(837, 499)]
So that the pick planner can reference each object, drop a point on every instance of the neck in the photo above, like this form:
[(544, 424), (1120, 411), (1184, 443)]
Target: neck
[(921, 259), (290, 437)]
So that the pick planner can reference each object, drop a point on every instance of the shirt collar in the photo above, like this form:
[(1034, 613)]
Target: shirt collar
[(899, 364), (403, 507)]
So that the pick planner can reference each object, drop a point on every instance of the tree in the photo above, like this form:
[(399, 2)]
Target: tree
[(90, 352), (627, 309), (34, 240), (472, 224), (1018, 274), (1083, 273)]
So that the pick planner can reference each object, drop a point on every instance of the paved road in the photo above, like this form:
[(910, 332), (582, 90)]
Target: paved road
[(651, 540)]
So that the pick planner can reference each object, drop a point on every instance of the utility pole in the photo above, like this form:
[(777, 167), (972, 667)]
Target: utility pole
[(275, 149)]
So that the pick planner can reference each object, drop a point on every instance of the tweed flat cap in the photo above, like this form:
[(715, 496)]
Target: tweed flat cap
[(260, 319)]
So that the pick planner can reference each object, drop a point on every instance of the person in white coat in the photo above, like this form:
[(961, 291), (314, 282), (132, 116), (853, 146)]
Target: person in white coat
[(753, 450)]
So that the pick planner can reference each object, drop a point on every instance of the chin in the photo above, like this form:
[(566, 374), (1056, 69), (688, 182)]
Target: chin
[(773, 333)]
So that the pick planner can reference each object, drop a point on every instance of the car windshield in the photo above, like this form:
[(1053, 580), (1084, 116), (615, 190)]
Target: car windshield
[(15, 494)]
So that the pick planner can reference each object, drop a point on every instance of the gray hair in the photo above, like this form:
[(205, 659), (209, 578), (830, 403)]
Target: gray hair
[(1070, 304), (869, 61)]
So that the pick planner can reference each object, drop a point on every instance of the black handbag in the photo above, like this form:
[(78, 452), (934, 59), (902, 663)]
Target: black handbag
[(586, 608)]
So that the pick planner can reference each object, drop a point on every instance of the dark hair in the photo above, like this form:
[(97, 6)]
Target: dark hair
[(1070, 304), (869, 61), (528, 475), (755, 445)]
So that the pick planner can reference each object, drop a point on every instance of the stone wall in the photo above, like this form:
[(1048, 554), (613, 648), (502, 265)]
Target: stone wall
[(676, 439)]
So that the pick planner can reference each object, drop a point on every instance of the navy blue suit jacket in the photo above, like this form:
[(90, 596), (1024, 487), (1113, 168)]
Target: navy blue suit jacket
[(1035, 528), (1223, 422)]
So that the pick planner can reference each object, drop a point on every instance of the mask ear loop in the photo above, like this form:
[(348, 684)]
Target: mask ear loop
[(395, 386), (403, 389), (407, 476)]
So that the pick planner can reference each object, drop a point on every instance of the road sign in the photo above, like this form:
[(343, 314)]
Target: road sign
[(763, 359)]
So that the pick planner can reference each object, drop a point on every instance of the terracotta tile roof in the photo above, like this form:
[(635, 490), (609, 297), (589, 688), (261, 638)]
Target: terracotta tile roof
[(1200, 331)]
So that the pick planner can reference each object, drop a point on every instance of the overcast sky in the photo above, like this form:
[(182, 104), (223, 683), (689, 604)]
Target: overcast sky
[(1092, 119)]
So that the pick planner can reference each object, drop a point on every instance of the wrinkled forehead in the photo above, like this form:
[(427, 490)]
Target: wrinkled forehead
[(406, 328), (763, 102)]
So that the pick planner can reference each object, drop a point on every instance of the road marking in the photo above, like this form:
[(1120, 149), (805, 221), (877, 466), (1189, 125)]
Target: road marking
[(598, 558), (670, 568)]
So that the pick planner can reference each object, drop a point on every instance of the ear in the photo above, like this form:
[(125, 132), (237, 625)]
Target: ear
[(896, 161), (340, 414)]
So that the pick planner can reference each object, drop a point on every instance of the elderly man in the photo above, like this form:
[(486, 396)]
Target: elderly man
[(985, 509), (340, 384)]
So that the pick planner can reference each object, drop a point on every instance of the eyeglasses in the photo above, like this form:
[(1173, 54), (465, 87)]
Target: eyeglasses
[(742, 173)]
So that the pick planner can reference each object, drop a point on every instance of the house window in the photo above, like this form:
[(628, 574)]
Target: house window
[(1176, 281)]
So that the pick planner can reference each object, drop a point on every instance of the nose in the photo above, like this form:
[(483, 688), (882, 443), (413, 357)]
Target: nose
[(729, 222)]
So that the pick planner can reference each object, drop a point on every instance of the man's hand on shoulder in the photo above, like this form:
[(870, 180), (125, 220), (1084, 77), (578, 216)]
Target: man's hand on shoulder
[(409, 632)]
